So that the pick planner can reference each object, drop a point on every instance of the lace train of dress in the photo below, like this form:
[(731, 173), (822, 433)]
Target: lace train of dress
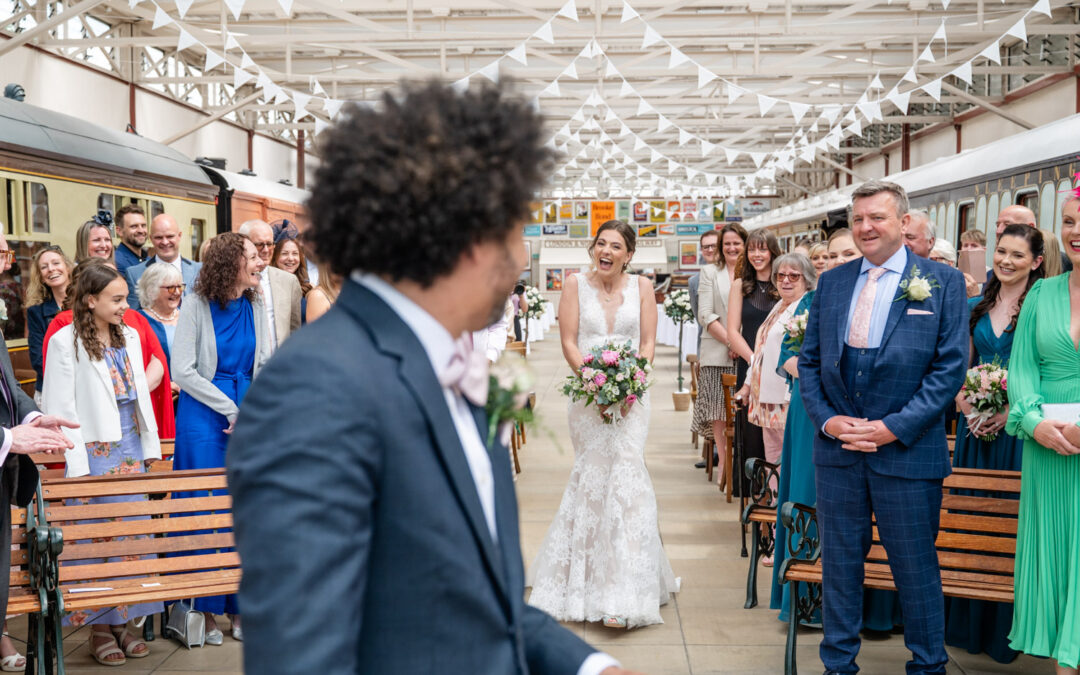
[(603, 554)]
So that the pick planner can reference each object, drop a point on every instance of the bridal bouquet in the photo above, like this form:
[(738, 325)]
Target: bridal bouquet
[(536, 302), (986, 389), (613, 377), (795, 330), (677, 306)]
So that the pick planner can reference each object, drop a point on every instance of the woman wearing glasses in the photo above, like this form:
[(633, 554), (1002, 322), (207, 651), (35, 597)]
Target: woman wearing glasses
[(160, 289)]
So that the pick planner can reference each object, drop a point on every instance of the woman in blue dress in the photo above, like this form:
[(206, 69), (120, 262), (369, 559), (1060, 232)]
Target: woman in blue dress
[(221, 342), (977, 625)]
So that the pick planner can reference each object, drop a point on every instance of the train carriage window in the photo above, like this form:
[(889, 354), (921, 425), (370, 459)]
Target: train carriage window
[(1064, 189), (37, 203), (156, 209), (1030, 199), (980, 214), (965, 217), (198, 234), (947, 229), (1046, 206), (7, 205)]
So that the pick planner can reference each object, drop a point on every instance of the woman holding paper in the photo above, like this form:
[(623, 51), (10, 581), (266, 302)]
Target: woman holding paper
[(1044, 373)]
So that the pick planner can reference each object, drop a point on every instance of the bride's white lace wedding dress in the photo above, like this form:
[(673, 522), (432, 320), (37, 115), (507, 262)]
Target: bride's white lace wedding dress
[(602, 554)]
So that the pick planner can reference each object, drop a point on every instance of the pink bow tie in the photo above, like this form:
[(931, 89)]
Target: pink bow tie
[(467, 373)]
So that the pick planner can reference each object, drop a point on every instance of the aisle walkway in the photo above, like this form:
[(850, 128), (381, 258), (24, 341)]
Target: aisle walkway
[(706, 629)]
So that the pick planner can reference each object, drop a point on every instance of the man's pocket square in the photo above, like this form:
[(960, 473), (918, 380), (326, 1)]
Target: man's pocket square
[(920, 312)]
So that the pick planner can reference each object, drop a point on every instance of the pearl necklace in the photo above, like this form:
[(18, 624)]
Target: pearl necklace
[(176, 313)]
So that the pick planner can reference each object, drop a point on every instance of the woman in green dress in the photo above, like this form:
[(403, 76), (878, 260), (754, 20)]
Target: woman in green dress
[(1045, 368)]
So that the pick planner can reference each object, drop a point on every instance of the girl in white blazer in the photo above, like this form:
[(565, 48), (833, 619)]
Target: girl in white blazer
[(94, 376)]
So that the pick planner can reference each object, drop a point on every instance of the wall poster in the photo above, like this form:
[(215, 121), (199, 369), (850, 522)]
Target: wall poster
[(656, 212), (641, 212), (557, 229), (536, 213), (689, 210), (554, 279), (622, 210), (566, 211), (688, 253), (532, 230), (647, 230), (551, 212), (673, 213), (601, 213), (667, 229), (579, 230), (718, 211), (581, 210)]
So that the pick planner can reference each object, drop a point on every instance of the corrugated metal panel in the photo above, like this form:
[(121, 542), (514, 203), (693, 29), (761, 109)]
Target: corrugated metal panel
[(49, 132)]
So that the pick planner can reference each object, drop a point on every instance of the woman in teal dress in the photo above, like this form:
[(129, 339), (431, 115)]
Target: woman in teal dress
[(1045, 370), (977, 625)]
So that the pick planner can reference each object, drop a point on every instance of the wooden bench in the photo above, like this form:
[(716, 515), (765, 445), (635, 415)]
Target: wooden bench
[(760, 516), (976, 547), (189, 536), (27, 593)]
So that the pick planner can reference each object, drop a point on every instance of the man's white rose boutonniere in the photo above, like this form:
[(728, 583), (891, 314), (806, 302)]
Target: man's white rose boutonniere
[(917, 287)]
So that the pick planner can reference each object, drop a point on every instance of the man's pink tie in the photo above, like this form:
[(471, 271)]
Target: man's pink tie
[(859, 336), (467, 372)]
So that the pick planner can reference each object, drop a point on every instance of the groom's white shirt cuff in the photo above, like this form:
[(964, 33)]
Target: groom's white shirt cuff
[(596, 663)]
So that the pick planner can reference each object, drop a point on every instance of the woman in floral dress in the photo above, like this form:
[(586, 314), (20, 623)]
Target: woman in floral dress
[(94, 376)]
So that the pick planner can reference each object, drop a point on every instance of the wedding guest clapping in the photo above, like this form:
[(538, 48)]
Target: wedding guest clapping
[(50, 275), (974, 624), (1043, 371), (222, 340)]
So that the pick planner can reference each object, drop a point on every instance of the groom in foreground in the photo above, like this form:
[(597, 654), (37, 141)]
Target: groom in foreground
[(377, 525), (885, 352)]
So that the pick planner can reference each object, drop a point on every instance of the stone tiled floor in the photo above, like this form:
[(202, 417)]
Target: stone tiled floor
[(706, 629)]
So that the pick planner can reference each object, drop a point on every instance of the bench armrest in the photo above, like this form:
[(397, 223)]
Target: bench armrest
[(803, 543), (764, 481)]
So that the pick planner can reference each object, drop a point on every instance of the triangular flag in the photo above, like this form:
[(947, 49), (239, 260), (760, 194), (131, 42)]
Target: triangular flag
[(798, 110), (707, 148), (578, 116), (236, 7), (213, 60), (814, 127), (628, 12), (765, 103), (182, 7), (831, 112), (945, 4), (611, 70), (671, 166), (1042, 7), (185, 40), (856, 127), (939, 34), (733, 93), (317, 88), (963, 72), (704, 76), (241, 77), (685, 136), (518, 54), (899, 100), (320, 126), (571, 71), (871, 110), (623, 130), (934, 89), (992, 52), (594, 99), (491, 71), (300, 101), (160, 19), (263, 82), (654, 156), (569, 10), (545, 34), (552, 89), (926, 55), (651, 37), (909, 76), (758, 158), (333, 107), (876, 82), (245, 61), (286, 7), (731, 155), (662, 123), (280, 95), (231, 43), (564, 131), (1018, 30), (677, 58), (639, 144), (461, 86), (644, 108), (626, 89)]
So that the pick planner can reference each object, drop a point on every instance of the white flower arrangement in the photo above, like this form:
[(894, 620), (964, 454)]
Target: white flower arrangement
[(535, 301), (677, 306)]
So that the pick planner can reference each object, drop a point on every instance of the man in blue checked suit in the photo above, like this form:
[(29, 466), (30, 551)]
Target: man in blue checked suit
[(885, 352)]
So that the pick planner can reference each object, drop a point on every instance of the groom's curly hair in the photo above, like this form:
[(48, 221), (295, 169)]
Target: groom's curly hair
[(405, 188)]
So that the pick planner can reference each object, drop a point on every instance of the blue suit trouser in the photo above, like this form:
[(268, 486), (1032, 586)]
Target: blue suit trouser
[(908, 514)]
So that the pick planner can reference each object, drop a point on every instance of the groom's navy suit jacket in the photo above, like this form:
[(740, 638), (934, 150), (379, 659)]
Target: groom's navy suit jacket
[(363, 541), (919, 368)]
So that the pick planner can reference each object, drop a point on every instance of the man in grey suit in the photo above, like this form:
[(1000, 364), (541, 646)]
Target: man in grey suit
[(362, 477), (165, 234), (280, 289)]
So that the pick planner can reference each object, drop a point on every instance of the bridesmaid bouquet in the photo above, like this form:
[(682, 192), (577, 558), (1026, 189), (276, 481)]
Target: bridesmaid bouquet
[(613, 377), (796, 331), (986, 389)]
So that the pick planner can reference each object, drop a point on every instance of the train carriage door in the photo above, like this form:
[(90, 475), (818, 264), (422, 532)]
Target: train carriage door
[(7, 206), (965, 220), (37, 208), (198, 236)]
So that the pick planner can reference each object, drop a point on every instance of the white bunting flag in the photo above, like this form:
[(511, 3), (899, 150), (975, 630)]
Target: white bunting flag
[(962, 72), (639, 144), (945, 4), (850, 116), (317, 88), (899, 100), (685, 136), (934, 89), (518, 54), (611, 70), (300, 101), (320, 126), (160, 19), (939, 34), (704, 76), (461, 86), (579, 116), (1018, 31), (286, 7), (677, 58), (552, 89), (871, 110), (662, 123), (628, 12), (185, 40), (707, 148), (654, 156), (765, 103), (623, 129), (231, 43), (213, 60), (569, 10), (876, 82), (241, 77), (263, 81), (798, 110), (246, 61), (731, 155), (926, 55), (671, 166), (545, 34), (831, 112), (909, 76), (594, 99), (570, 71), (236, 7), (564, 131), (182, 7), (1042, 7), (992, 52), (758, 158), (856, 127), (808, 154), (280, 95), (833, 140), (625, 90), (491, 71), (651, 37), (734, 91), (814, 127), (644, 108), (333, 107)]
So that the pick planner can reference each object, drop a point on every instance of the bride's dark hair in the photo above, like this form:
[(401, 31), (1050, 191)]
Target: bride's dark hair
[(624, 230)]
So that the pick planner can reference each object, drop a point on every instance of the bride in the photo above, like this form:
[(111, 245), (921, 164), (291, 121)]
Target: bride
[(602, 559)]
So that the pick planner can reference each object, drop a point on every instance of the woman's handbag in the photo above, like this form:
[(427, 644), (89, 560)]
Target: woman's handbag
[(186, 624)]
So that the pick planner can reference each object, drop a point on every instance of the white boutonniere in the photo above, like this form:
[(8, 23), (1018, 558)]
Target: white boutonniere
[(3, 311), (917, 287)]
